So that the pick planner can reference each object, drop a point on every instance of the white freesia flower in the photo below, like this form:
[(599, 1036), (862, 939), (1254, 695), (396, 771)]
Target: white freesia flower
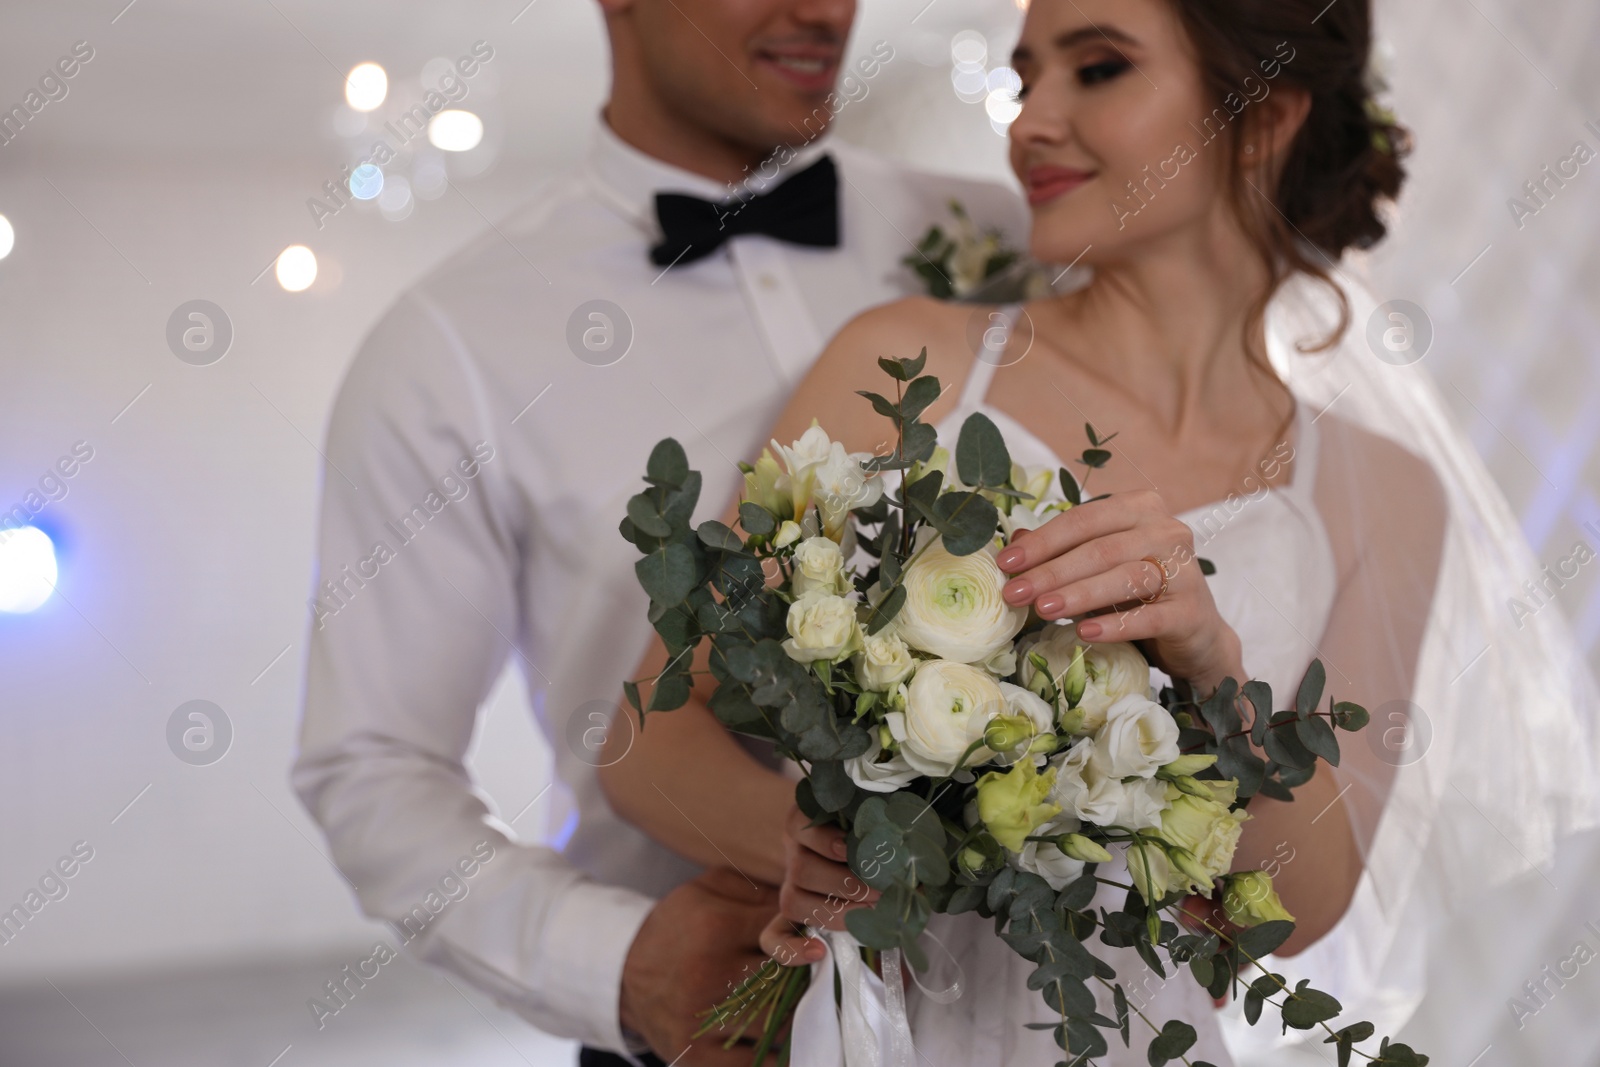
[(1115, 669), (1085, 788), (1046, 860), (879, 772), (953, 607), (821, 627), (820, 472), (949, 705), (884, 660), (819, 568), (788, 533), (1137, 738), (1022, 518)]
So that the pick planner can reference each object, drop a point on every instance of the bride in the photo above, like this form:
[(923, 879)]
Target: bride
[(1209, 162)]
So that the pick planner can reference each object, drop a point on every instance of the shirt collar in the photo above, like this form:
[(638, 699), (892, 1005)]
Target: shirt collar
[(629, 179)]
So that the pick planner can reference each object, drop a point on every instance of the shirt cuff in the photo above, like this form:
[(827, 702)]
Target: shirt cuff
[(586, 943)]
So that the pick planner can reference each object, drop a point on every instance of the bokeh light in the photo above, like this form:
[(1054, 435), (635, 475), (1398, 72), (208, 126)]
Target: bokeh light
[(27, 569), (297, 268), (455, 131), (366, 181), (366, 87)]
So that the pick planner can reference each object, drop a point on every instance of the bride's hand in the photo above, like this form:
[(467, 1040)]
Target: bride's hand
[(1090, 560), (818, 888)]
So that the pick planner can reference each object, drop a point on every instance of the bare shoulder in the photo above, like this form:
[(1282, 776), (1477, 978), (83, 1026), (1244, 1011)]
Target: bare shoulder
[(1405, 499), (897, 330)]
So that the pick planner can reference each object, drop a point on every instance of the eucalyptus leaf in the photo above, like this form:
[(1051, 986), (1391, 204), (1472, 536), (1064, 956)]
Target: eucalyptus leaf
[(668, 464), (981, 455), (1310, 693), (668, 573), (756, 519)]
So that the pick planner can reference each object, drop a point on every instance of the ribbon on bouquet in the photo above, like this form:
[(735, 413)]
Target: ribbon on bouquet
[(868, 1027)]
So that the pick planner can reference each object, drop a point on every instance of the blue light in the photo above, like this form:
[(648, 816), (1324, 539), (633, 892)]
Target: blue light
[(366, 181), (27, 569)]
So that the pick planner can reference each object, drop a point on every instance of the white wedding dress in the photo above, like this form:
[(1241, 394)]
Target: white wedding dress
[(1389, 555), (1275, 585)]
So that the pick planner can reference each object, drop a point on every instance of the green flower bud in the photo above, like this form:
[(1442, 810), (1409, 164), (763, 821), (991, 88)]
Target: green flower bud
[(1006, 732), (1249, 899), (1185, 765), (1083, 849), (1193, 869), (1077, 678)]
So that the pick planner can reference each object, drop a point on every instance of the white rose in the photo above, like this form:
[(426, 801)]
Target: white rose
[(948, 707), (884, 660), (819, 568), (1084, 788), (1115, 669), (1046, 860), (1138, 736), (822, 627), (878, 772), (953, 607)]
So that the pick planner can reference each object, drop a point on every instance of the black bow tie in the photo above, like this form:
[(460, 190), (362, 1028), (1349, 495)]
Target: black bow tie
[(803, 210)]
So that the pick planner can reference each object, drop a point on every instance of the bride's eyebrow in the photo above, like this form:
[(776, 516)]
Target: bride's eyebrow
[(1073, 38)]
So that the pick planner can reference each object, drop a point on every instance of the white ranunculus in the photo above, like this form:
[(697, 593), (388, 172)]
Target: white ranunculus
[(1138, 736), (1115, 669), (948, 707), (953, 607), (1084, 788), (884, 660), (819, 568), (1046, 860), (821, 627), (880, 772)]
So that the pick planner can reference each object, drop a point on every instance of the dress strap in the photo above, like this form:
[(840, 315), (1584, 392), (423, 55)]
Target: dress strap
[(996, 334)]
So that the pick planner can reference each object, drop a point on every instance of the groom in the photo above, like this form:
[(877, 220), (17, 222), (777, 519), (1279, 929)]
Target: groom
[(481, 452)]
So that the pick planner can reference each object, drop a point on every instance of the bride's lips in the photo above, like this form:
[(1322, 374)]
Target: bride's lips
[(809, 68), (1046, 182)]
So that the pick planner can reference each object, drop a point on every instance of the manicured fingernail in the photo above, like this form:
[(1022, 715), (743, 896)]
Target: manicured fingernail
[(1050, 605), (1009, 558), (1090, 630), (840, 849), (1018, 591)]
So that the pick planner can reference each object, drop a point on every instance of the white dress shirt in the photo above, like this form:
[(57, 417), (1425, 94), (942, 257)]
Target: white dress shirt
[(477, 472)]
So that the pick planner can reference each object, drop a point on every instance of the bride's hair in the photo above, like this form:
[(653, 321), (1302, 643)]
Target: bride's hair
[(1345, 162)]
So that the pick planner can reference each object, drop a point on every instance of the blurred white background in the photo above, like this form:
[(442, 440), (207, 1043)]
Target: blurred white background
[(179, 165)]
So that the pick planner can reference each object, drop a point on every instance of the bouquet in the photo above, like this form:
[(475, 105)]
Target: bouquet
[(977, 757)]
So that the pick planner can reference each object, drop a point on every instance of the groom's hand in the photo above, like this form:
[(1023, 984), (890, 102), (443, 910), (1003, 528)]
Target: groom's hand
[(699, 942)]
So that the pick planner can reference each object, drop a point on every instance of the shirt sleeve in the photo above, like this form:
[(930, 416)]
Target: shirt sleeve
[(414, 611)]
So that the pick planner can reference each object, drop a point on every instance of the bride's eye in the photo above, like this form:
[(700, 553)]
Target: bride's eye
[(1103, 71)]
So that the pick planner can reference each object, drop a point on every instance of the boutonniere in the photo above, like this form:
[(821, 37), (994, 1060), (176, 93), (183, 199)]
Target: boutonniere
[(965, 263)]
